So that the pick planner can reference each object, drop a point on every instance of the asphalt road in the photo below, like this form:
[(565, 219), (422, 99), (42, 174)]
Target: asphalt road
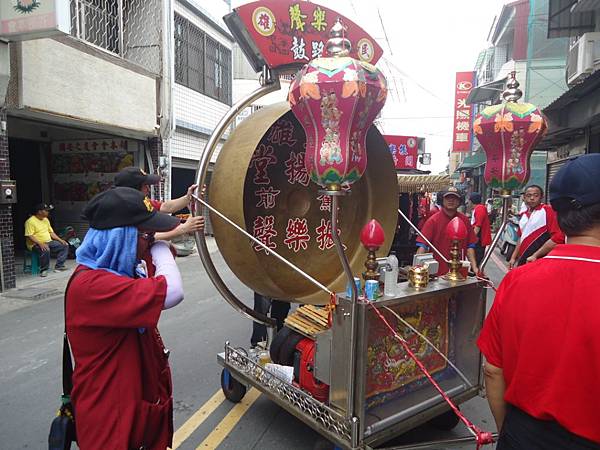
[(195, 331)]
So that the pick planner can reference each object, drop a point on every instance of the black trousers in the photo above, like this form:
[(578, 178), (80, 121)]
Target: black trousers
[(521, 431), (479, 253), (279, 311)]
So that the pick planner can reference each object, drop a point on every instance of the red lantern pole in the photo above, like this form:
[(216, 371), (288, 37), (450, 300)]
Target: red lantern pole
[(336, 99)]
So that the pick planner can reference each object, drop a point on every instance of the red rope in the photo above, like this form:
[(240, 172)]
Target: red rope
[(481, 437), (488, 283)]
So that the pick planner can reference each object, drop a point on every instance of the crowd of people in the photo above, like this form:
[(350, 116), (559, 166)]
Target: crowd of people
[(540, 336), (539, 339)]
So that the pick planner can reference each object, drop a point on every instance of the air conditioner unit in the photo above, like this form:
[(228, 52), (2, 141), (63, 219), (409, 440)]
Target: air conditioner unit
[(584, 58)]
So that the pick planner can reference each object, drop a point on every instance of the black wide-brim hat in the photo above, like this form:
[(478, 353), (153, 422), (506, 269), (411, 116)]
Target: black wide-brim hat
[(122, 207), (134, 177)]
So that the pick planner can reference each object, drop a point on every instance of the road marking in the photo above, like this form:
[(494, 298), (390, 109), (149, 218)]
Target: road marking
[(197, 418), (214, 439), (499, 263)]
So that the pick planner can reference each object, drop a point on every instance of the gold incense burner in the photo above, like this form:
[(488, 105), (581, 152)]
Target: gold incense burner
[(418, 276)]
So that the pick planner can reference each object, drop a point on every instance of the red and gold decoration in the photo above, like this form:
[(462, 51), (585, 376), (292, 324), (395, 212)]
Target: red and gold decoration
[(390, 372), (372, 237), (508, 134), (457, 232), (336, 99)]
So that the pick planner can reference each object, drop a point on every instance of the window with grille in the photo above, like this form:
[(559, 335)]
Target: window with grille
[(130, 29), (96, 22), (201, 63)]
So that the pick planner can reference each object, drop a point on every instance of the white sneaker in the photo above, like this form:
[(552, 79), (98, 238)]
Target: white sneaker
[(44, 273)]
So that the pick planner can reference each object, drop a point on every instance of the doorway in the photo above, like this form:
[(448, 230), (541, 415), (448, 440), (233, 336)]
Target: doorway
[(27, 168)]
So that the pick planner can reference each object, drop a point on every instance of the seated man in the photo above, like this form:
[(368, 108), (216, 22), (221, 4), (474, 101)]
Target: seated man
[(41, 239)]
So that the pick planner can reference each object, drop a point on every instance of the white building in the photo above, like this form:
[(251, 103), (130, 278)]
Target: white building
[(202, 91), (80, 107)]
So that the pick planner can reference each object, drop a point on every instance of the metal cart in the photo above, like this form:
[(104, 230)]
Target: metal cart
[(448, 314)]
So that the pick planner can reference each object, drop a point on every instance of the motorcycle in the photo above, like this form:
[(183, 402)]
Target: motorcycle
[(69, 235), (510, 237)]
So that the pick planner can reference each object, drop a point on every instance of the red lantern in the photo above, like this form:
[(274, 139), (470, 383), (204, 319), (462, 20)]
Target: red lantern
[(372, 235), (508, 134), (336, 100), (457, 230)]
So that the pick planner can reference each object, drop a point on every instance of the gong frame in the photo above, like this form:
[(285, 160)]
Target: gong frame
[(269, 82)]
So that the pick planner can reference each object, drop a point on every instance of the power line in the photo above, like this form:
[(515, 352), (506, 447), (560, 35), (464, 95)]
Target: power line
[(384, 32), (401, 72)]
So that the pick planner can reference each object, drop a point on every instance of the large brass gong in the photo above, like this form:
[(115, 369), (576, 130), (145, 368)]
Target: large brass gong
[(260, 183)]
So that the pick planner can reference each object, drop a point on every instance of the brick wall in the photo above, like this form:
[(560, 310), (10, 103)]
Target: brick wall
[(155, 147), (6, 222)]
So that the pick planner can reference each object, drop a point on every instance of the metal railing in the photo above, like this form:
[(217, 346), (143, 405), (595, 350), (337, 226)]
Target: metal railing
[(130, 29)]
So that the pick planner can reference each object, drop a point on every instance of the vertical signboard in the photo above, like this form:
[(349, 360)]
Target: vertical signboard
[(22, 20), (463, 113), (404, 150)]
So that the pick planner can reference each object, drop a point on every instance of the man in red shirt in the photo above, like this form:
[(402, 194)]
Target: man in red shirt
[(435, 231), (480, 221), (541, 340), (136, 178), (426, 210), (122, 393), (538, 224)]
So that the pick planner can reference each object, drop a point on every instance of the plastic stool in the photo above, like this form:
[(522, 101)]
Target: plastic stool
[(34, 262)]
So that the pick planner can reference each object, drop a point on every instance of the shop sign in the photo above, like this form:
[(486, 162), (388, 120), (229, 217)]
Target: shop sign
[(404, 150), (463, 112), (97, 145), (288, 34), (81, 169), (21, 20)]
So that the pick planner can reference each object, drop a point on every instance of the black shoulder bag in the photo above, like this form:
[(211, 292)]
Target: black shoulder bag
[(62, 430)]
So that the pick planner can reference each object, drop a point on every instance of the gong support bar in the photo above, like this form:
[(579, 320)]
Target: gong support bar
[(348, 271), (498, 234), (269, 83)]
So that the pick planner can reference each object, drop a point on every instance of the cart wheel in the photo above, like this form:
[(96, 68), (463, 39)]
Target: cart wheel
[(278, 341), (288, 348), (445, 421), (234, 390)]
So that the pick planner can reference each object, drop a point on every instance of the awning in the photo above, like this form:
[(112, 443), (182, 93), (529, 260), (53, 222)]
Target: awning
[(472, 161), (585, 6), (567, 18), (487, 92), (422, 183), (572, 112)]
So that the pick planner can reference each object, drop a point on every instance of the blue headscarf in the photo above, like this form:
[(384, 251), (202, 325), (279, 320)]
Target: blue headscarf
[(114, 250)]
